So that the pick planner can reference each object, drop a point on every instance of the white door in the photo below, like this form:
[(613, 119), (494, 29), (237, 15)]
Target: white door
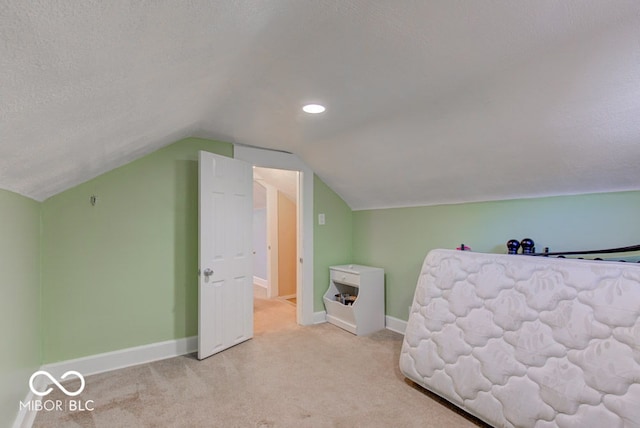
[(225, 286)]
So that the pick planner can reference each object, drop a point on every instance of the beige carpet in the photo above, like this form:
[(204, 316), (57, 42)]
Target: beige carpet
[(286, 376)]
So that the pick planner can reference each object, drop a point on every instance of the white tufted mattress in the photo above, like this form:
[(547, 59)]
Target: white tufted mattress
[(522, 341)]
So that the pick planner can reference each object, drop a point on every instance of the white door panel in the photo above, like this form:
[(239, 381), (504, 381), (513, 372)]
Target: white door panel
[(225, 289)]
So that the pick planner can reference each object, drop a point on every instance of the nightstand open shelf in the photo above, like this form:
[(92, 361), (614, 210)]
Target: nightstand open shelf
[(366, 314)]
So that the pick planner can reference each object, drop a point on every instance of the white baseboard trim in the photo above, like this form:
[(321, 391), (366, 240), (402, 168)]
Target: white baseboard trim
[(122, 358), (25, 417), (288, 296), (260, 281), (106, 362), (391, 323), (395, 324), (319, 317)]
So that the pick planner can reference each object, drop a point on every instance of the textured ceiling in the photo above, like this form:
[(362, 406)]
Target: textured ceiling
[(428, 102), (282, 180)]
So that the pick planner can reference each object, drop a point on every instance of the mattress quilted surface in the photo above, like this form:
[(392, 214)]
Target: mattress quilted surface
[(522, 341)]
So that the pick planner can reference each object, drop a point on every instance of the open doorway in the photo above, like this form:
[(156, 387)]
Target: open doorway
[(305, 314), (275, 236)]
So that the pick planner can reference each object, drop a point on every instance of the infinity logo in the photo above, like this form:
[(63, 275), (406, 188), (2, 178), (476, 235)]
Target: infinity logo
[(52, 379)]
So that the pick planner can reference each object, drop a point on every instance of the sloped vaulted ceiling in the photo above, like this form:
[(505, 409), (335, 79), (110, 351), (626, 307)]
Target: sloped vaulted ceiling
[(427, 102)]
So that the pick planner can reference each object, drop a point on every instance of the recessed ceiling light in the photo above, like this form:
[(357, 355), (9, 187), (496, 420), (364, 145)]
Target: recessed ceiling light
[(313, 108)]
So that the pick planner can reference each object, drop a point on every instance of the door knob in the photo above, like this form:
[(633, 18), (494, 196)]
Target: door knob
[(208, 272)]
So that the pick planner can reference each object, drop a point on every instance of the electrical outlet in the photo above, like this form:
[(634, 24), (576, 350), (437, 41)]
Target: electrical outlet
[(321, 219)]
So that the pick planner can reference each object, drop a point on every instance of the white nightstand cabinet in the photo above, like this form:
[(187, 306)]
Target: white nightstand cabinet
[(366, 314)]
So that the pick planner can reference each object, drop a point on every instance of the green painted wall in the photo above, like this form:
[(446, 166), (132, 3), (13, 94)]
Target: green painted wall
[(333, 241), (20, 299), (398, 239), (123, 273)]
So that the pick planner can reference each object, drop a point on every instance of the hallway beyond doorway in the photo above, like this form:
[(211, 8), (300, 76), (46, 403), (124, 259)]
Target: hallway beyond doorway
[(271, 315)]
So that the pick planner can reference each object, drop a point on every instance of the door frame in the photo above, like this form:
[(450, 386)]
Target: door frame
[(281, 160), (272, 241)]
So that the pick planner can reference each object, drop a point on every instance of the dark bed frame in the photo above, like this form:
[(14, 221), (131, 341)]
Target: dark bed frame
[(528, 248)]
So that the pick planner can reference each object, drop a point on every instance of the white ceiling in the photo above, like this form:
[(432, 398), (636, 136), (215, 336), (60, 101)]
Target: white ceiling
[(428, 102), (286, 182)]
